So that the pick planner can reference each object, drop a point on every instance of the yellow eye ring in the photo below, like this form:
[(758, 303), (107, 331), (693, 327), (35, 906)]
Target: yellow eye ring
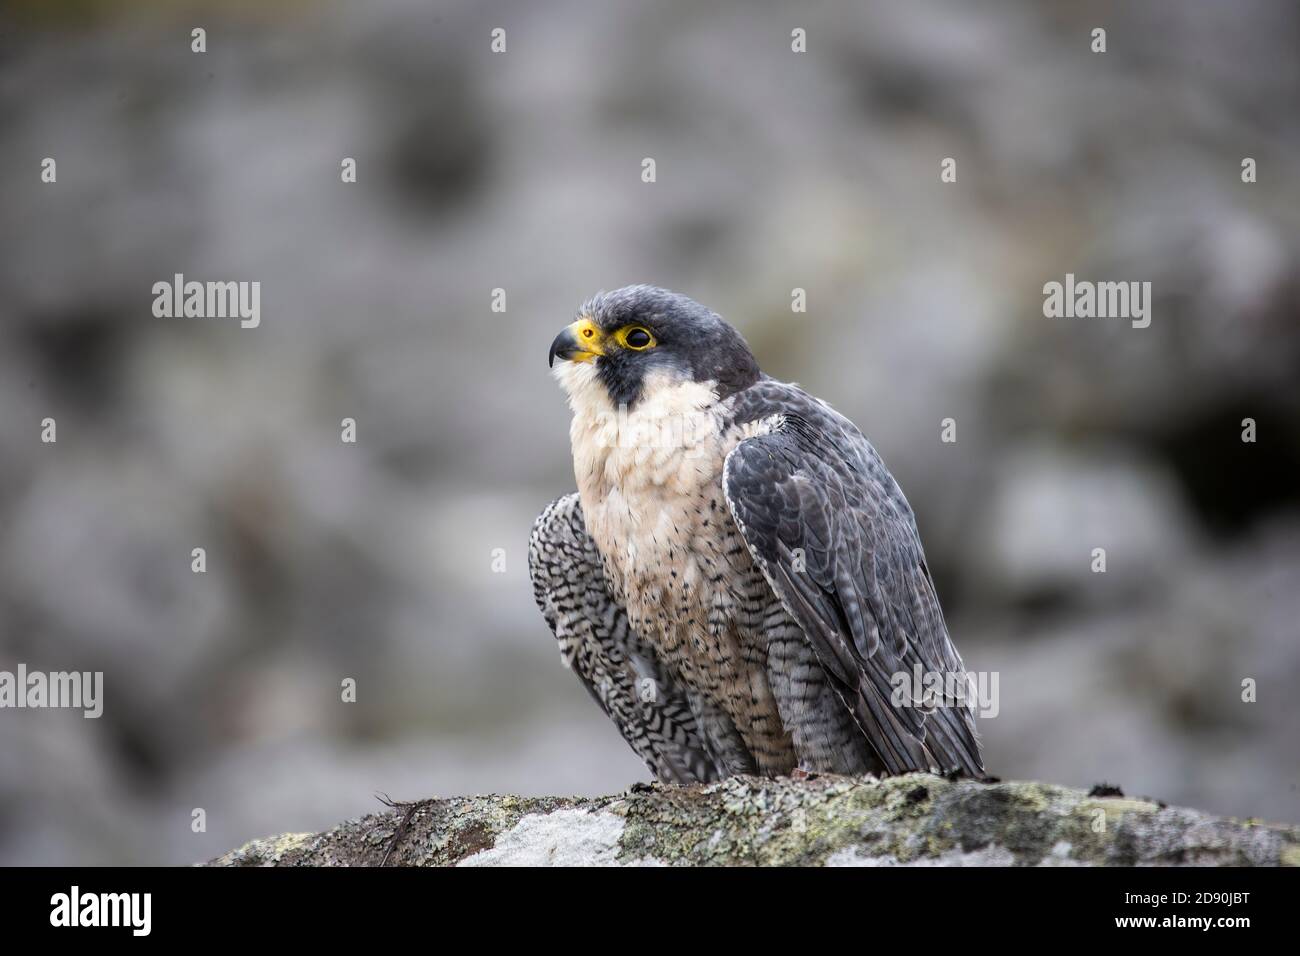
[(635, 337)]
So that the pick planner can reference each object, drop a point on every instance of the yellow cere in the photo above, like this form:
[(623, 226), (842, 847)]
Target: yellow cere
[(590, 338)]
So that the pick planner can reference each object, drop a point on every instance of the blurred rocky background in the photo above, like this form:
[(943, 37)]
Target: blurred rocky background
[(776, 170)]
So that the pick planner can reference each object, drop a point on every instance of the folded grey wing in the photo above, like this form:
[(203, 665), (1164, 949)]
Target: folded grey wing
[(651, 709), (836, 540)]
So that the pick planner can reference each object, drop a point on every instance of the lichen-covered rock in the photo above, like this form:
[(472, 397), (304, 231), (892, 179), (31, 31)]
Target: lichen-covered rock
[(916, 820)]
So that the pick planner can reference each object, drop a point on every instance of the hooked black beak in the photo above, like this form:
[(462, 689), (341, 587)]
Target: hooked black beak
[(565, 346), (582, 341)]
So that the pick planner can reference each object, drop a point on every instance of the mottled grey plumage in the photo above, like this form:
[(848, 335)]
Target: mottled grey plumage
[(738, 599), (654, 713)]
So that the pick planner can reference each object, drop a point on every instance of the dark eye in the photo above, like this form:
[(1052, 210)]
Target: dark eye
[(638, 338)]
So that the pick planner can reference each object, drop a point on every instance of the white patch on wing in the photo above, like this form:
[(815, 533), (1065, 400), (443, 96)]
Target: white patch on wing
[(761, 426)]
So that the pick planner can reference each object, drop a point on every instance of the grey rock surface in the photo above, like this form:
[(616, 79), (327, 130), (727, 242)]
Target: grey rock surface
[(911, 820)]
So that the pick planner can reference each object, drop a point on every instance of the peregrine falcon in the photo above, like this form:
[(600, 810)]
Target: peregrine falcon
[(738, 580)]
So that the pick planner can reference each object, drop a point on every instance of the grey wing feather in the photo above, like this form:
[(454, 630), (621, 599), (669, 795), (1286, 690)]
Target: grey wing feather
[(837, 542), (651, 710)]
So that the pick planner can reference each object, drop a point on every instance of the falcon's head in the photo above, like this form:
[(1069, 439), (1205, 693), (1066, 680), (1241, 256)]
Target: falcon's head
[(629, 344)]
